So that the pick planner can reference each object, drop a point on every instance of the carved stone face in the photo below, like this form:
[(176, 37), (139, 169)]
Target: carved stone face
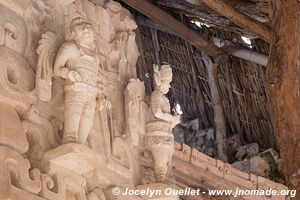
[(165, 86), (84, 33)]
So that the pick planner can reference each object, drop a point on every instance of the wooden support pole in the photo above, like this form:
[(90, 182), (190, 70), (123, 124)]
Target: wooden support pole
[(173, 25), (240, 19), (283, 86), (219, 117)]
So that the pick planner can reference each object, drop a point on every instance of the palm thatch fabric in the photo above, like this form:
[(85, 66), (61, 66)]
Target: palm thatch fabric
[(241, 83), (256, 9)]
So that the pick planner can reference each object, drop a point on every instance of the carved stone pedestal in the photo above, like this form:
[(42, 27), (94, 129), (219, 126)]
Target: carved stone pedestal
[(74, 157), (160, 141), (72, 164)]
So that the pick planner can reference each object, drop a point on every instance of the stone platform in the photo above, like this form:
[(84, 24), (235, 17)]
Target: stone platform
[(74, 157)]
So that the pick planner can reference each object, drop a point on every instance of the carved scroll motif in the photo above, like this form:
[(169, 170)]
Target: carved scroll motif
[(14, 170), (48, 188)]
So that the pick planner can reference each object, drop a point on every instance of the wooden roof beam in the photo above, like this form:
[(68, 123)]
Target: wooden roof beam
[(238, 18), (237, 51), (175, 26)]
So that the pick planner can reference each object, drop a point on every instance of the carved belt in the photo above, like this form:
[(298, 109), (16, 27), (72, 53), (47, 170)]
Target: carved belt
[(81, 86)]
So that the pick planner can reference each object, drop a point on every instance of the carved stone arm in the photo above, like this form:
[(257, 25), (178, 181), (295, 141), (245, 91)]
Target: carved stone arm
[(160, 115), (62, 72), (156, 101), (64, 54)]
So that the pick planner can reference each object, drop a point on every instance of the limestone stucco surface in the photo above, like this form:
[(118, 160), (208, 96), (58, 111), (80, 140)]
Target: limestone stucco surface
[(74, 122)]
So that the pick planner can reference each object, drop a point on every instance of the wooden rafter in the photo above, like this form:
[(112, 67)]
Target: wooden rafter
[(166, 20), (237, 51), (238, 18)]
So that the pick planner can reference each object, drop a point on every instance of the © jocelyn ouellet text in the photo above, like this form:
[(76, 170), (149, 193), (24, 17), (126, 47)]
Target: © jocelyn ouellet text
[(196, 192)]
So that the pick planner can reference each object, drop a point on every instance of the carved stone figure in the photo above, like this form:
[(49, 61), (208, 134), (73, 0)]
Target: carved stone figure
[(77, 62), (159, 103), (135, 110), (123, 54), (159, 138)]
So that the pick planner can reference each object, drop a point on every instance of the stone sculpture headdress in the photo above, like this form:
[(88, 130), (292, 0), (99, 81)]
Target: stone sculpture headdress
[(78, 21), (164, 74)]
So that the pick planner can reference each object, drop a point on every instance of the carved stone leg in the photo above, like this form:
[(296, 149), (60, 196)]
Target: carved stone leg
[(86, 121), (72, 118)]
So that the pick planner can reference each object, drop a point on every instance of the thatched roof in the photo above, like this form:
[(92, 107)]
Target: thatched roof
[(241, 82), (257, 9)]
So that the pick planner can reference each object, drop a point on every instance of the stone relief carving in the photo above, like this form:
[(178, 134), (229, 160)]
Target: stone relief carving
[(15, 171), (13, 31), (123, 53), (155, 129), (135, 109), (159, 138), (76, 62), (11, 129), (83, 88)]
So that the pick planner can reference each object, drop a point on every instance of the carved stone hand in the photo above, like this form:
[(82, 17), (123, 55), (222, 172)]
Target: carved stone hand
[(74, 76), (176, 119)]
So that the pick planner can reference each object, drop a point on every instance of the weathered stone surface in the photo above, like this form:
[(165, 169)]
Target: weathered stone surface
[(12, 133), (247, 151), (255, 165), (75, 157), (200, 139)]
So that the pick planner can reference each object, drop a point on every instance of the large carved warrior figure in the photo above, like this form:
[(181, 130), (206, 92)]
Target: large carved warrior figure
[(77, 62)]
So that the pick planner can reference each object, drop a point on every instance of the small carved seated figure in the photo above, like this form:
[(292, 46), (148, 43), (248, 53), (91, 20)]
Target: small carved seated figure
[(159, 138)]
